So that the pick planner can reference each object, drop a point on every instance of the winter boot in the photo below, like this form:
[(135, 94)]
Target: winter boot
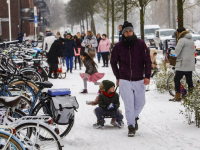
[(67, 69), (120, 123), (99, 124), (131, 131), (177, 98), (84, 91), (113, 122), (136, 124)]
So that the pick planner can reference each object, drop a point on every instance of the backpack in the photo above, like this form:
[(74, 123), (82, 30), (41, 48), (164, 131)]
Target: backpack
[(62, 108)]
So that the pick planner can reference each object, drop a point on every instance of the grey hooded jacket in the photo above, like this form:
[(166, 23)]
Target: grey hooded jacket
[(92, 41), (185, 53)]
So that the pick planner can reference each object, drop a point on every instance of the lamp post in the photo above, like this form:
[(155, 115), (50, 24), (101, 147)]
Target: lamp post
[(10, 36), (35, 21)]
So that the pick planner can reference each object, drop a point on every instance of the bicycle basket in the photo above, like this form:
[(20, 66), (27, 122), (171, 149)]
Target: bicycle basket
[(62, 108)]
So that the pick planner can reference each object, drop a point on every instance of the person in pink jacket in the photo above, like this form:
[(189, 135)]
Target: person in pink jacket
[(104, 49)]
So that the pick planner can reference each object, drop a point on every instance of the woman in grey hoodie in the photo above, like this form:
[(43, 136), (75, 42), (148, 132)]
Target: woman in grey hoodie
[(90, 42)]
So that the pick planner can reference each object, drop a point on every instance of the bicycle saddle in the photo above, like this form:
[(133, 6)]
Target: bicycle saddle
[(10, 101), (46, 84), (28, 59)]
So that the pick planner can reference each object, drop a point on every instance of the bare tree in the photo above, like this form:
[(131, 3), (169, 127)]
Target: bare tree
[(141, 4)]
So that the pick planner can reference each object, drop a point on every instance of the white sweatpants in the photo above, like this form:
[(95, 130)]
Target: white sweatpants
[(133, 95)]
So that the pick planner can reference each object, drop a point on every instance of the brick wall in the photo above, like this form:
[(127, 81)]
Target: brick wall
[(15, 20)]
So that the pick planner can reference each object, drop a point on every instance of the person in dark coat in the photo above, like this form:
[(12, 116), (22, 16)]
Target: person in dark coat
[(52, 56), (68, 51), (98, 41), (77, 57), (134, 58), (20, 37)]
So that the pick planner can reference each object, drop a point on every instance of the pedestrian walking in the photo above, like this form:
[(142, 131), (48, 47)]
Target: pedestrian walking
[(104, 49), (185, 61), (134, 59), (48, 41), (120, 33), (78, 35), (68, 51), (90, 44), (55, 52), (77, 55), (98, 53), (91, 74)]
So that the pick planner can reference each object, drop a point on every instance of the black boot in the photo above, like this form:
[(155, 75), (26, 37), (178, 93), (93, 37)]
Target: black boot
[(75, 67), (106, 65), (70, 71), (67, 69), (136, 124), (55, 74), (131, 131), (84, 91), (49, 75)]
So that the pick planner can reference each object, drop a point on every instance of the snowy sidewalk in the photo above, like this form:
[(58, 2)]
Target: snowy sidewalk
[(161, 127)]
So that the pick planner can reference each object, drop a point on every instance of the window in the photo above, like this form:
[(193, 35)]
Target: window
[(167, 33), (149, 31), (196, 38)]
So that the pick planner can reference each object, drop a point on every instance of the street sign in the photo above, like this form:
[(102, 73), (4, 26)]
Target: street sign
[(35, 19)]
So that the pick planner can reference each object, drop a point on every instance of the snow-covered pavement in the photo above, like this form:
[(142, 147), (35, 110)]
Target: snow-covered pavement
[(161, 127)]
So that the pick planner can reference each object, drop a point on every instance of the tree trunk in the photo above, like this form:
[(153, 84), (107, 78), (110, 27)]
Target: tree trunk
[(83, 24), (80, 26), (173, 14), (107, 19), (93, 24), (142, 20), (87, 20), (180, 13), (125, 10), (169, 13), (113, 21)]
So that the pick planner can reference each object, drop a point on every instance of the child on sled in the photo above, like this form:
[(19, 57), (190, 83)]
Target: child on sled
[(108, 101)]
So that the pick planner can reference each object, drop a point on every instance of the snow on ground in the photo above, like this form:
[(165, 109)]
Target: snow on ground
[(161, 127)]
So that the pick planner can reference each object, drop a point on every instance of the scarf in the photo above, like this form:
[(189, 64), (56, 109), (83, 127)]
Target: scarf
[(89, 37), (129, 41), (108, 95)]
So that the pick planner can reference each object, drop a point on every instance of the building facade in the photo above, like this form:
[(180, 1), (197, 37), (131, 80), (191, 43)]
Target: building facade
[(22, 17)]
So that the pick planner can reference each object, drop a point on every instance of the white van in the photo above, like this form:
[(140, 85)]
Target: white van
[(149, 32)]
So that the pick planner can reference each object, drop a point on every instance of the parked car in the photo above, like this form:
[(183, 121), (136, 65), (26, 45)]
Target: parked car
[(145, 40), (116, 39), (149, 32), (191, 31), (196, 39), (162, 35)]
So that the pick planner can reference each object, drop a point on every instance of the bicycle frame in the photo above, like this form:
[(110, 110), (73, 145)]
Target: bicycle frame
[(43, 100), (39, 120), (10, 136)]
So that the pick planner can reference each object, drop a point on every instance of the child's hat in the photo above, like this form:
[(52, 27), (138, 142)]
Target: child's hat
[(107, 85)]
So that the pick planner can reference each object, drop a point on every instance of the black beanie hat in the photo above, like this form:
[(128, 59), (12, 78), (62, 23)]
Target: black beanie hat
[(127, 26), (104, 35), (107, 85)]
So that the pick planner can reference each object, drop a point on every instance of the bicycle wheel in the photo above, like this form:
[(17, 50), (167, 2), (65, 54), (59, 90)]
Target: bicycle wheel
[(31, 89), (13, 144), (171, 85), (63, 129), (32, 132), (35, 76)]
